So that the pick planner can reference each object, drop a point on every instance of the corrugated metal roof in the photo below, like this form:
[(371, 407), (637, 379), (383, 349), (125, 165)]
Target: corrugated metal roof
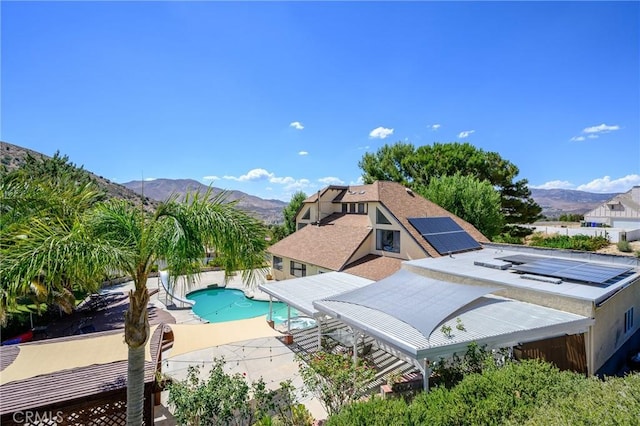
[(491, 320), (466, 266), (302, 292), (394, 294)]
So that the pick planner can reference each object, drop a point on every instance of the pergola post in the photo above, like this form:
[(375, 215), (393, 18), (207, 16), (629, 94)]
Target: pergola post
[(288, 319), (319, 323), (426, 372), (270, 308)]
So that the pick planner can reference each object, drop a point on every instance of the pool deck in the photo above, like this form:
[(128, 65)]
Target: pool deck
[(268, 358)]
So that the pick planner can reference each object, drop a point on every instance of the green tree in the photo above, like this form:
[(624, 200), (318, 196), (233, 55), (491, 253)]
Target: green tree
[(116, 235), (415, 167), (291, 210), (473, 200), (334, 379), (45, 196)]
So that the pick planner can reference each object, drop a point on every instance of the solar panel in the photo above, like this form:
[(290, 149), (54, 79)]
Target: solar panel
[(444, 234), (573, 270)]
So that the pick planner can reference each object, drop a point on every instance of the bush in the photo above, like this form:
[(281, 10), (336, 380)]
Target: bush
[(616, 401), (624, 246), (229, 399), (375, 412), (576, 242)]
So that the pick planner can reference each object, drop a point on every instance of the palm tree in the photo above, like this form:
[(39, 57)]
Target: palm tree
[(178, 233), (118, 236)]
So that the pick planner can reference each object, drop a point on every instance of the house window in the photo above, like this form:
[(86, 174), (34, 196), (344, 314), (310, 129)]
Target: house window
[(301, 225), (298, 269), (388, 240), (362, 209), (277, 263), (381, 218), (352, 208), (628, 320), (307, 214), (344, 207)]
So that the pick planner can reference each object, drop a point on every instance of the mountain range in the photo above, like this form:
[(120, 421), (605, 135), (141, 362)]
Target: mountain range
[(554, 202), (160, 189)]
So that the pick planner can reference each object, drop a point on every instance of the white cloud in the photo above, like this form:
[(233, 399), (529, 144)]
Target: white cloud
[(577, 139), (380, 133), (603, 128), (296, 125), (211, 178), (555, 184), (466, 133), (592, 136), (150, 179), (262, 174), (358, 181), (330, 180), (251, 176), (303, 153), (606, 184), (434, 127)]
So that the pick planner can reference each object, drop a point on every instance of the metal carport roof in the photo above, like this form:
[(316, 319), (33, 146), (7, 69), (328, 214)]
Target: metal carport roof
[(490, 320), (417, 300), (302, 292)]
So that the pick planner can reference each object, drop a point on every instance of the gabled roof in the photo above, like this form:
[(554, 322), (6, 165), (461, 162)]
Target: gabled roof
[(328, 245), (403, 203), (629, 199)]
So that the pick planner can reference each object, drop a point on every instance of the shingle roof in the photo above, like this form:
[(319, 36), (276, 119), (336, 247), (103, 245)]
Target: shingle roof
[(329, 245), (332, 244), (374, 267)]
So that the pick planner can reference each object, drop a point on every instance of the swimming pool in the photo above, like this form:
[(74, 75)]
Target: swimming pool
[(225, 304)]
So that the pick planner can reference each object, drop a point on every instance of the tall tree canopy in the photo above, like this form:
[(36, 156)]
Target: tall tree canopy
[(415, 167), (290, 211), (474, 200)]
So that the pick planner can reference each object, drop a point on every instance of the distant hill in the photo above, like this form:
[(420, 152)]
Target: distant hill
[(160, 189), (13, 156), (555, 202)]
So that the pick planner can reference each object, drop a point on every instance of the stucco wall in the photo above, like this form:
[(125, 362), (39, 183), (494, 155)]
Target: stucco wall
[(608, 330)]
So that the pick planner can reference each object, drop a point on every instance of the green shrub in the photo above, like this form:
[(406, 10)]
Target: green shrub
[(498, 395), (576, 242), (615, 401), (374, 412), (624, 246), (508, 239)]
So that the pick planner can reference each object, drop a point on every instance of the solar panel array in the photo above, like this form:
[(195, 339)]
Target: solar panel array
[(572, 270), (444, 234)]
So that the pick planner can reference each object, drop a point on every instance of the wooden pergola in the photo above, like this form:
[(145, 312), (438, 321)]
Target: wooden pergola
[(88, 394)]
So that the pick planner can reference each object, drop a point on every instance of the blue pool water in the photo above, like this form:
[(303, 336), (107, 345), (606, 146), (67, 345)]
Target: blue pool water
[(223, 304)]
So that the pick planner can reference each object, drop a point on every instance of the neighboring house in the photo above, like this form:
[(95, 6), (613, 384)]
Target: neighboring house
[(621, 212), (368, 230)]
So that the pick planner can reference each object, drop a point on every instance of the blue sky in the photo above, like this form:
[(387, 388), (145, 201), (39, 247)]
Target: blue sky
[(273, 97)]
